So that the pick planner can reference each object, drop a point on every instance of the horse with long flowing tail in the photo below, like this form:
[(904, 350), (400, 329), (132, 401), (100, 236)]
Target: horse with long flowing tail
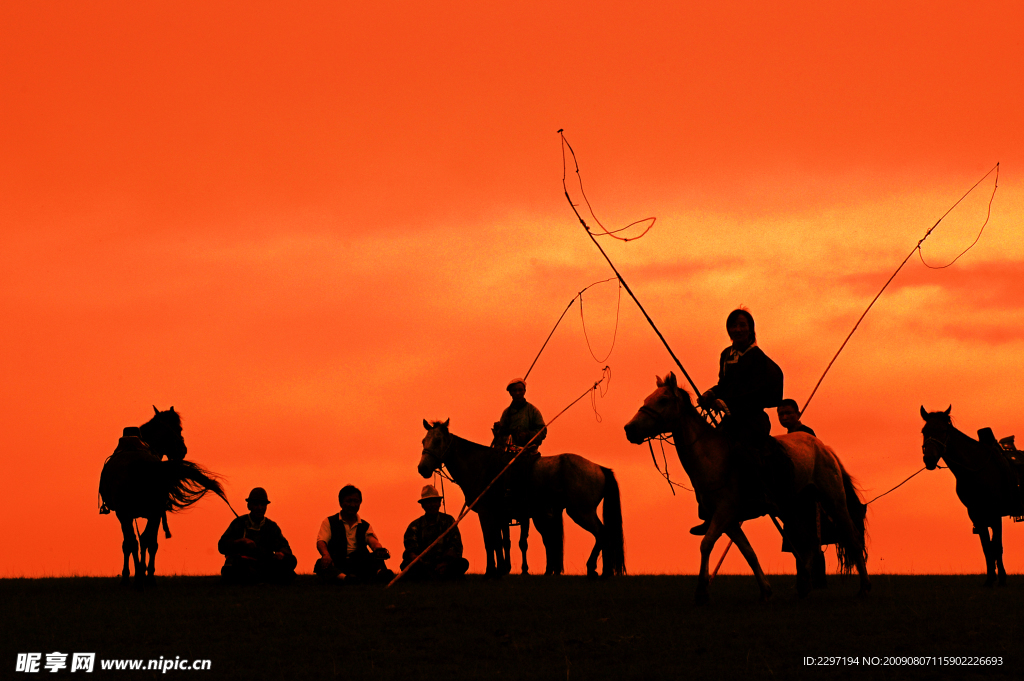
[(986, 483), (137, 483), (565, 482), (717, 476)]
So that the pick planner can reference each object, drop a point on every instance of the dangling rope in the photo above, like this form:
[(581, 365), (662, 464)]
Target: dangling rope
[(469, 507), (580, 297), (916, 249), (565, 145)]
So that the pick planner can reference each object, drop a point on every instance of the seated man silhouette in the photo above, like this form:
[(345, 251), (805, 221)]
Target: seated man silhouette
[(789, 417), (445, 560), (349, 550), (256, 549)]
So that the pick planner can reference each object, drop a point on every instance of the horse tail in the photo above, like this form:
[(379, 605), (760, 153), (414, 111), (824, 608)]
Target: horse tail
[(187, 482), (847, 548), (612, 541)]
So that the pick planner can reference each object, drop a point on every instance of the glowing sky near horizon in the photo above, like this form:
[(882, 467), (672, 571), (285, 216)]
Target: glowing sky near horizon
[(309, 228)]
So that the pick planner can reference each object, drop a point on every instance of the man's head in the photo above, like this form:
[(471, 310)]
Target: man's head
[(350, 499), (257, 502), (430, 500), (517, 389), (789, 413)]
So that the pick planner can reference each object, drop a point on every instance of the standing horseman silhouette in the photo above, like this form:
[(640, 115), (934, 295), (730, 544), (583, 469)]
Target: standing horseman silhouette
[(706, 456), (564, 482), (137, 483), (986, 482)]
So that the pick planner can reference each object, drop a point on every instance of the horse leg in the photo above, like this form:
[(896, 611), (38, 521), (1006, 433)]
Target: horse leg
[(506, 548), (590, 523), (997, 549), (735, 533), (715, 528), (129, 546), (986, 547), (524, 535), (485, 528), (550, 529), (149, 543)]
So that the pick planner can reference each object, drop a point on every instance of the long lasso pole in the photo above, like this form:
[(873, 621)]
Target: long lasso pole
[(466, 509), (623, 281), (916, 249)]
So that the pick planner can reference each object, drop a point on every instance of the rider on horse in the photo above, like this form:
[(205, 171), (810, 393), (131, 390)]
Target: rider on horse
[(748, 383), (521, 426)]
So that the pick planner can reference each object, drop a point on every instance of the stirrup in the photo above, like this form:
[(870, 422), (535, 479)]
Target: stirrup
[(700, 530)]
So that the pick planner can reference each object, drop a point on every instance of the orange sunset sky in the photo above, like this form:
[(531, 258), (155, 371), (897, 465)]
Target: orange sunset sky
[(309, 226)]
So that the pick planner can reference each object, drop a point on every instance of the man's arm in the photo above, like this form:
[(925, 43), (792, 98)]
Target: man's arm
[(235, 531), (537, 426), (322, 537), (409, 541)]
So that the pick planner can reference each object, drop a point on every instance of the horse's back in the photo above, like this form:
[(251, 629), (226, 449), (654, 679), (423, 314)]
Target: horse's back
[(128, 475), (564, 477), (814, 462)]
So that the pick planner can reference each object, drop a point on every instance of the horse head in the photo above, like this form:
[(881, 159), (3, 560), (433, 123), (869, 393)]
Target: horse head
[(662, 408), (163, 434), (937, 425), (435, 445)]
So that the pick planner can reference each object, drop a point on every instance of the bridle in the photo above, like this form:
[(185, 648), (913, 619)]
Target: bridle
[(439, 458)]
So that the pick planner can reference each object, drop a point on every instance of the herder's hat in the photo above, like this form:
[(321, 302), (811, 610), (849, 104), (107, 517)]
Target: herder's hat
[(514, 381), (258, 495), (429, 492)]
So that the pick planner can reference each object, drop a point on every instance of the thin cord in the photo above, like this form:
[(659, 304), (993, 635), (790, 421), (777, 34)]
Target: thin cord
[(917, 248)]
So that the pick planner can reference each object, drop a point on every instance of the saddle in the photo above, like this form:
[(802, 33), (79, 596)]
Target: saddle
[(1010, 464), (130, 453)]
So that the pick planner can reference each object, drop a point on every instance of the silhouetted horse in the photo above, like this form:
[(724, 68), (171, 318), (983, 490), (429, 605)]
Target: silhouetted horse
[(565, 482), (716, 477), (985, 483), (136, 483)]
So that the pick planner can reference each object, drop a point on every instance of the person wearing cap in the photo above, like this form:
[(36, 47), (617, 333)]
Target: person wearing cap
[(255, 547), (520, 421), (349, 549), (521, 426), (445, 560)]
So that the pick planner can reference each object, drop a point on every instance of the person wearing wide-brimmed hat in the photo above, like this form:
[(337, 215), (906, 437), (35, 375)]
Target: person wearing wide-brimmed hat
[(445, 560), (255, 547)]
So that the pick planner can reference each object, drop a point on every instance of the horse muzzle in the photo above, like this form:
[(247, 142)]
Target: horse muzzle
[(426, 467)]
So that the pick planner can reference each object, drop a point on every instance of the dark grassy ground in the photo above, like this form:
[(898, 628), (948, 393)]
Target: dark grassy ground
[(544, 628)]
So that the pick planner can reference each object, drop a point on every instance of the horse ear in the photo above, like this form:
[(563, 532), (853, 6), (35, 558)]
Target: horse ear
[(661, 383), (426, 425), (172, 409), (948, 409), (670, 380), (155, 410), (924, 414), (447, 421)]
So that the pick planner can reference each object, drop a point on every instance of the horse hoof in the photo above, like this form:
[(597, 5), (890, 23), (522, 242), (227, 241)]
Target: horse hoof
[(592, 574), (125, 582), (702, 597)]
